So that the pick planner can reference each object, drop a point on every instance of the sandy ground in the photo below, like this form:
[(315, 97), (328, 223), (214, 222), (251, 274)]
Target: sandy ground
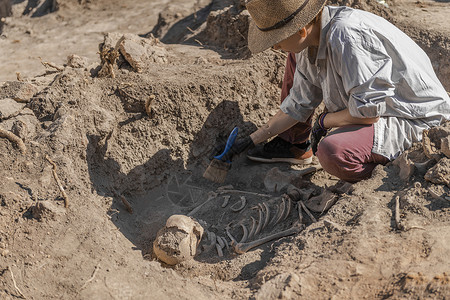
[(130, 141)]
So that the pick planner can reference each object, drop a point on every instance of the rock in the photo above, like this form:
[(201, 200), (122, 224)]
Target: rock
[(138, 51), (445, 146), (178, 240), (322, 202), (47, 210), (75, 61), (405, 165), (25, 125), (10, 108), (440, 173), (17, 90), (133, 53)]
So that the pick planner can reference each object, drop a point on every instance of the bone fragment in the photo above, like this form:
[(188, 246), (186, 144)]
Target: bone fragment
[(260, 219), (244, 247), (245, 234), (211, 196), (226, 198), (241, 207), (243, 192), (220, 241), (225, 242), (252, 230), (307, 211), (300, 214)]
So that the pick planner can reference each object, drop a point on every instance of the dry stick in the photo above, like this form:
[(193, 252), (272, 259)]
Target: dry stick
[(307, 211), (244, 192), (13, 138), (397, 213), (52, 65), (127, 204), (15, 284), (58, 182), (92, 277), (244, 247)]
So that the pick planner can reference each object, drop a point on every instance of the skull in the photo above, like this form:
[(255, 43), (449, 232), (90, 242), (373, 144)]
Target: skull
[(178, 240)]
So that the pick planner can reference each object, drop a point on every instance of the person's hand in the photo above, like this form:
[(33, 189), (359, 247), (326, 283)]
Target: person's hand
[(239, 146), (318, 132)]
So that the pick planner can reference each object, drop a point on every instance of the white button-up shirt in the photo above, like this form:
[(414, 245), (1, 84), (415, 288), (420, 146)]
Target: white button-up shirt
[(366, 64)]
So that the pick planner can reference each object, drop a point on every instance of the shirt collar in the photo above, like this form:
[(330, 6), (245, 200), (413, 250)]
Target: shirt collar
[(328, 13)]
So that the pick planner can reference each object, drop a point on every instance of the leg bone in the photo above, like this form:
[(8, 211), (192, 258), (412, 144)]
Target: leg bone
[(244, 247)]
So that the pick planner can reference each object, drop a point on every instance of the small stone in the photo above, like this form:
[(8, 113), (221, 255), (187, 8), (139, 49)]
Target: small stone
[(5, 252), (17, 90), (76, 61), (10, 108), (47, 210)]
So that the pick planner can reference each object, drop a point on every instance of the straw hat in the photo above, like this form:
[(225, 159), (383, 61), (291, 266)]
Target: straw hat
[(276, 20)]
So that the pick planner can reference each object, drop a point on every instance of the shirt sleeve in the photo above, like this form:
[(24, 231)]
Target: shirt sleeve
[(365, 68), (304, 96)]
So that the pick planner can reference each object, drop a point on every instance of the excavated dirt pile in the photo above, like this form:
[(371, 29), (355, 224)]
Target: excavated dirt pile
[(97, 156)]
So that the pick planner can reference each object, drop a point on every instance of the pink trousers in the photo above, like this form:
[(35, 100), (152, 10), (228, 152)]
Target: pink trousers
[(346, 152)]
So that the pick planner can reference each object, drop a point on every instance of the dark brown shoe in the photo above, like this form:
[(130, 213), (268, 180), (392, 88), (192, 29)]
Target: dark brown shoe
[(278, 150)]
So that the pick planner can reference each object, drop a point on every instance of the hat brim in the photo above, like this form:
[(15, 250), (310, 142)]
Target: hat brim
[(259, 41)]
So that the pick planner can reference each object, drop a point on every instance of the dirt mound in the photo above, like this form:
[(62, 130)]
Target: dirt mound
[(130, 138)]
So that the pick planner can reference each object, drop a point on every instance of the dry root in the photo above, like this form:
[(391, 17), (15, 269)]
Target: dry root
[(13, 138), (58, 182)]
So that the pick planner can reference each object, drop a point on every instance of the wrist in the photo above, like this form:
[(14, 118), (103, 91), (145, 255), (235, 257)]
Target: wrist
[(322, 120)]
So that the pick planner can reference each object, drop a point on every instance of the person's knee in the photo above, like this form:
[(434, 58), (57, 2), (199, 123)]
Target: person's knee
[(335, 161), (328, 152)]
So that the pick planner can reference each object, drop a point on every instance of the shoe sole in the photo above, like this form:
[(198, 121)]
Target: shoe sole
[(288, 160)]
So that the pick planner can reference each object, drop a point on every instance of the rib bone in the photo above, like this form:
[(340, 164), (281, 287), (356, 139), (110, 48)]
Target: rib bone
[(226, 198), (219, 250), (245, 235), (241, 207), (233, 240), (300, 214), (267, 215), (307, 211), (288, 210), (260, 219), (282, 210), (252, 230), (244, 247)]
